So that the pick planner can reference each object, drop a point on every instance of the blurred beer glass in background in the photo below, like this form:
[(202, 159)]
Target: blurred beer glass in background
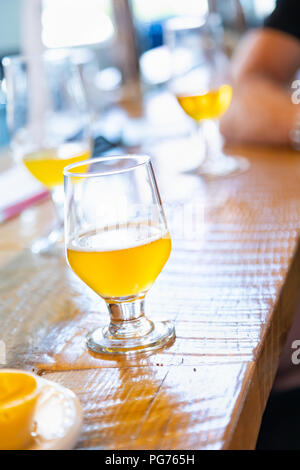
[(200, 82), (49, 124)]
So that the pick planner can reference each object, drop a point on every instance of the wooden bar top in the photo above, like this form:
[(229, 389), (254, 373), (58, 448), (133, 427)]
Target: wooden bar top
[(231, 287)]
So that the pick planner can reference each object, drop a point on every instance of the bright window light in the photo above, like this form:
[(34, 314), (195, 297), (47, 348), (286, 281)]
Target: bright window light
[(67, 23), (156, 9)]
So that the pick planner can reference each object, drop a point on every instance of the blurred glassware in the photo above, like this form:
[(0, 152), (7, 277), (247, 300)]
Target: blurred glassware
[(201, 84), (231, 13), (49, 124), (226, 21)]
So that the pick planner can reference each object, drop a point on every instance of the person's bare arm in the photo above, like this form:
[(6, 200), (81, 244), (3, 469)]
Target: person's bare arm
[(262, 68)]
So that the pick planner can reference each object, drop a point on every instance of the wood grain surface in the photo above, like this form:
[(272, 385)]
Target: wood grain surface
[(231, 286)]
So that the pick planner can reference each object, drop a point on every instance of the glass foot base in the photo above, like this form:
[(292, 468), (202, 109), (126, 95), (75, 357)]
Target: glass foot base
[(102, 342), (51, 245), (225, 165)]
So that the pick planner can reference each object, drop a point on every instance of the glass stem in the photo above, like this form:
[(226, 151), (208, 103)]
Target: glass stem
[(128, 320), (210, 140)]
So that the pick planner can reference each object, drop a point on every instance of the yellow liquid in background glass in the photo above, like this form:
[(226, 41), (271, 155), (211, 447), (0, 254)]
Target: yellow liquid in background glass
[(209, 105), (128, 262), (47, 165)]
